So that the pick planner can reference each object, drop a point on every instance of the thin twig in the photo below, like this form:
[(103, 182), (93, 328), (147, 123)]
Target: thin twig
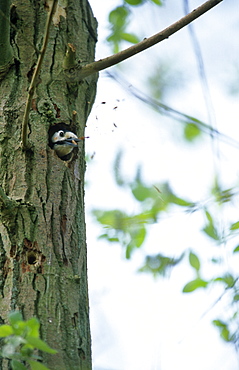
[(35, 76), (173, 113), (101, 64)]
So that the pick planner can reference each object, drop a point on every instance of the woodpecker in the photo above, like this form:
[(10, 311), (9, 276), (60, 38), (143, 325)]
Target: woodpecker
[(62, 141)]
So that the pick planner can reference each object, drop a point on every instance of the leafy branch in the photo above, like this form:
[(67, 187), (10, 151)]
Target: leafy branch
[(131, 231), (80, 72), (21, 340)]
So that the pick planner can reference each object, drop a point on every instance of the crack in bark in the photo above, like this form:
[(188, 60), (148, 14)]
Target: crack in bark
[(2, 264), (54, 53), (54, 238), (63, 217), (36, 7)]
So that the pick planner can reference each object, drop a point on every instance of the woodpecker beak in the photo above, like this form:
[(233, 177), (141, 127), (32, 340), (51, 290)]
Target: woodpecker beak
[(72, 141)]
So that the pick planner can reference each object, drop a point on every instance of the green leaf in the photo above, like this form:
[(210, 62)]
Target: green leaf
[(40, 344), (138, 235), (194, 261), (195, 284), (134, 2), (159, 264), (115, 218), (223, 196), (27, 350), (224, 332), (35, 365), (179, 201), (157, 2), (15, 317), (5, 330), (115, 41), (34, 327), (235, 226), (141, 192), (236, 298), (109, 238), (19, 326), (191, 131), (209, 217), (219, 323), (16, 365), (211, 231), (130, 37), (113, 240), (118, 16), (228, 279), (236, 249), (129, 249)]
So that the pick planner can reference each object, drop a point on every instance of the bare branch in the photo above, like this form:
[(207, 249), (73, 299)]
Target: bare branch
[(35, 75), (87, 70)]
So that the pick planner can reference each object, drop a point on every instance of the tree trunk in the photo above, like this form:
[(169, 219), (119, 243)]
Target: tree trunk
[(43, 269)]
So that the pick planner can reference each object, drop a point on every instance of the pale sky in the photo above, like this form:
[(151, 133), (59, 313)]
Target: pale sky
[(137, 322)]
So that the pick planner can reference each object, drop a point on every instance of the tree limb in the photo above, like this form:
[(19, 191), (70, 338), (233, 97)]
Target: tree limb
[(35, 76), (79, 73)]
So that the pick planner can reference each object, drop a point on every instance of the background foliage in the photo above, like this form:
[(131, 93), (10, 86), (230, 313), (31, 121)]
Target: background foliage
[(21, 340), (218, 225)]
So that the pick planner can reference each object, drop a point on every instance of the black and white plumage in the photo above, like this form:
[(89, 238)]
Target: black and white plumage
[(62, 141)]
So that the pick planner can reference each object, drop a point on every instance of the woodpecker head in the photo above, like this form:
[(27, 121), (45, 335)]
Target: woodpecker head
[(62, 140)]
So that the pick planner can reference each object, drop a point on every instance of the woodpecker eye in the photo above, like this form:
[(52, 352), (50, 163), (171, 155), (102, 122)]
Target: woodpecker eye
[(61, 133)]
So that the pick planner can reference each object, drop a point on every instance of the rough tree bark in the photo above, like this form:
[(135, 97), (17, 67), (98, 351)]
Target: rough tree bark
[(43, 270)]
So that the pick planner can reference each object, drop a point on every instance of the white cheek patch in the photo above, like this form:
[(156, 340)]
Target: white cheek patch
[(56, 137)]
